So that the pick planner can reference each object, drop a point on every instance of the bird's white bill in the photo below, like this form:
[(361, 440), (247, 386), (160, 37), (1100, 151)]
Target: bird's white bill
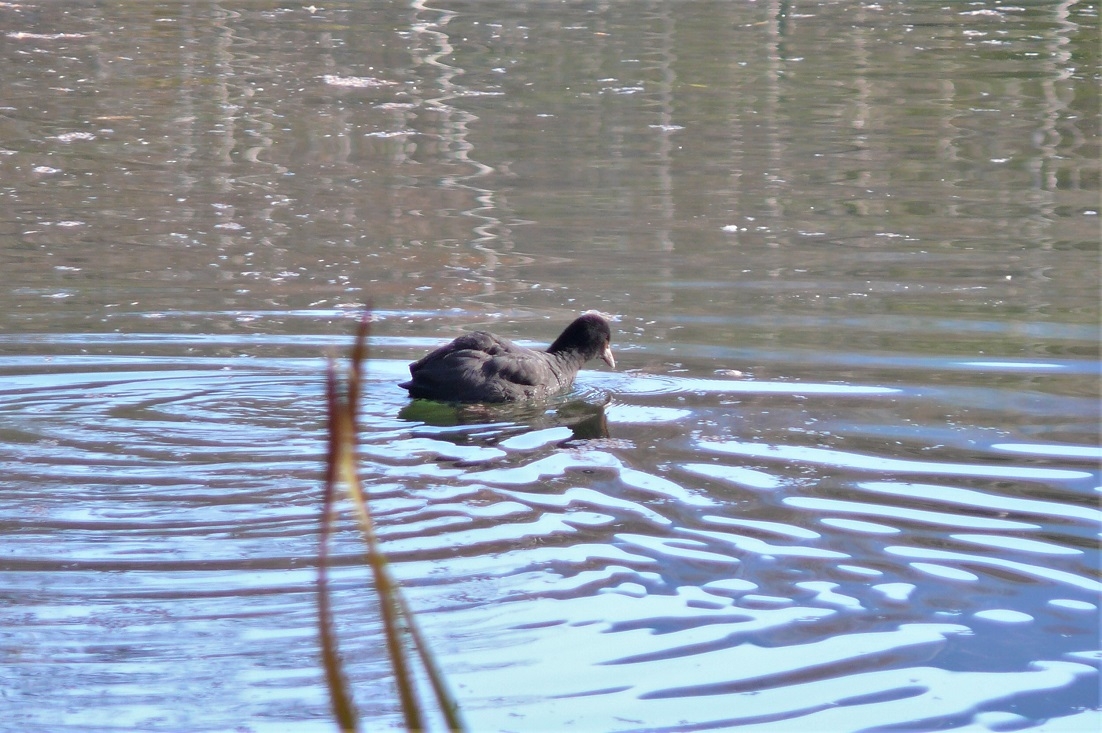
[(607, 358)]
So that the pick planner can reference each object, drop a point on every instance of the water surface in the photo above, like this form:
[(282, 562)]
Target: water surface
[(845, 476)]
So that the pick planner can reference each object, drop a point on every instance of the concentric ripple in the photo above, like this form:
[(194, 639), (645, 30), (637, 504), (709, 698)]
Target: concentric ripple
[(674, 548)]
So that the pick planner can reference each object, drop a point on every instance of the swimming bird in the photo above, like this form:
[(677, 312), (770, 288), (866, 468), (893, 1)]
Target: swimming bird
[(482, 367)]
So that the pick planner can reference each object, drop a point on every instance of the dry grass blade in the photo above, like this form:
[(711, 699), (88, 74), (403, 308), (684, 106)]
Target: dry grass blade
[(343, 710), (398, 621)]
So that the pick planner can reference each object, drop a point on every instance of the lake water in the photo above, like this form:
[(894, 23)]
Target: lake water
[(845, 476)]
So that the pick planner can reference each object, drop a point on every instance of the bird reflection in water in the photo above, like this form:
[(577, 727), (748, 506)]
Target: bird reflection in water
[(584, 417)]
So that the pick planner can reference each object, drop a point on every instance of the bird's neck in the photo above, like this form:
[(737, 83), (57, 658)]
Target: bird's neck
[(570, 360)]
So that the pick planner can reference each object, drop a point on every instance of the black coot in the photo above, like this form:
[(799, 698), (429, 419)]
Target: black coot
[(482, 367)]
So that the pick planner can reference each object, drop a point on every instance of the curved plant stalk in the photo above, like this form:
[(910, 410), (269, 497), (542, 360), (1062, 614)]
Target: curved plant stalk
[(398, 620), (341, 699)]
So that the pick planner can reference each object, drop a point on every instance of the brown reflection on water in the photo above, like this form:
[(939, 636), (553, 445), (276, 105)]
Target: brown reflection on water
[(523, 160)]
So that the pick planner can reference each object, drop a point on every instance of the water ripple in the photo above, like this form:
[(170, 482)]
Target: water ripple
[(624, 548), (857, 461)]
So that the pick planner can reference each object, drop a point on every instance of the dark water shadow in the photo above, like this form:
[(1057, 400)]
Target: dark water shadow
[(585, 418)]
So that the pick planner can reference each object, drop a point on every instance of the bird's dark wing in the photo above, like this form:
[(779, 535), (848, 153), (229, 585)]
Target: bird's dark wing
[(528, 368), (482, 367)]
